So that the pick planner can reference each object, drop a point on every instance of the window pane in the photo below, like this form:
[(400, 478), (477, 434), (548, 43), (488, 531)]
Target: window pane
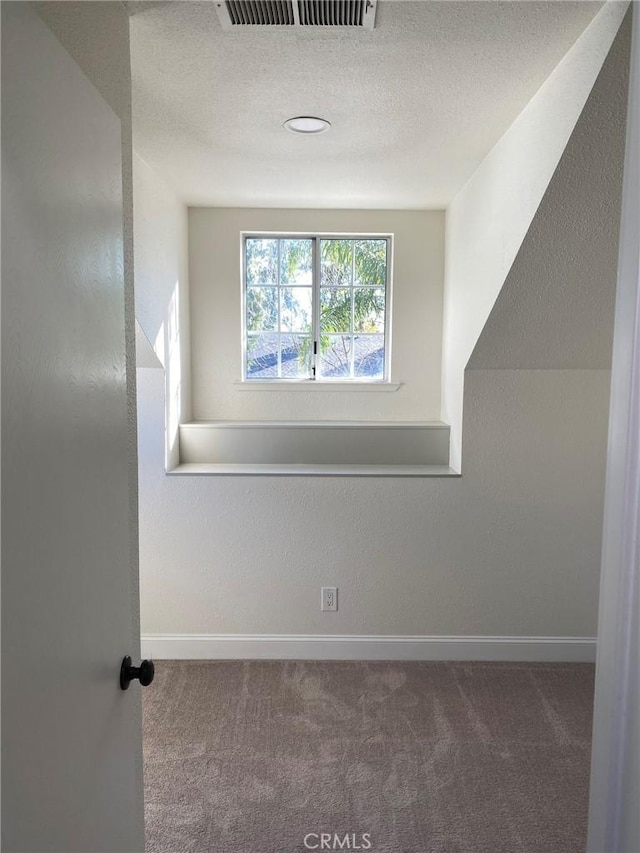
[(295, 309), (368, 309), (336, 263), (262, 309), (335, 356), (335, 310), (262, 356), (262, 261), (280, 305), (296, 356), (371, 262), (369, 356), (296, 261)]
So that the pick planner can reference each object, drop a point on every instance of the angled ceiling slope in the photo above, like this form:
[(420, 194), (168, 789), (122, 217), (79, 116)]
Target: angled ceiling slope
[(490, 217), (555, 310), (145, 354)]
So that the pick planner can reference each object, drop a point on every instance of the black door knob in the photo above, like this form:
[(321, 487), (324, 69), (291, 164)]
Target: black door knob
[(144, 672)]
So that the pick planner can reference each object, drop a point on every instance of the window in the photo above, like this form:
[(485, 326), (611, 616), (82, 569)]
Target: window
[(316, 308)]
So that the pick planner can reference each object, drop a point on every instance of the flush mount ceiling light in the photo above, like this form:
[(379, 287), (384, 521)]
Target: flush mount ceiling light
[(307, 124)]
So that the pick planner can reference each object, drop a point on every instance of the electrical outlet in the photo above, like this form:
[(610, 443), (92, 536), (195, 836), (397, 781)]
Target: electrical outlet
[(329, 598)]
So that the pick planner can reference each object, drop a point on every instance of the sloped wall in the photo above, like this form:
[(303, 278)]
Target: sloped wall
[(555, 310), (490, 216)]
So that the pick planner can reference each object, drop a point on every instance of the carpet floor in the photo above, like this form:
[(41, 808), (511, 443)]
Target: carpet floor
[(390, 757)]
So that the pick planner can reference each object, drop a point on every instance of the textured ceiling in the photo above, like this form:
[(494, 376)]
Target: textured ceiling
[(415, 104)]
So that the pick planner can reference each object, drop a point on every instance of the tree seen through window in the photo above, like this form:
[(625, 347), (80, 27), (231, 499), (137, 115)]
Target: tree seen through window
[(315, 308)]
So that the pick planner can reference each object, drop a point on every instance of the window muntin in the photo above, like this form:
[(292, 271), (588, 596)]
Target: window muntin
[(316, 308)]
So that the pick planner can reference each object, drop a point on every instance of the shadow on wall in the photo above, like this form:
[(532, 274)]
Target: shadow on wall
[(168, 350)]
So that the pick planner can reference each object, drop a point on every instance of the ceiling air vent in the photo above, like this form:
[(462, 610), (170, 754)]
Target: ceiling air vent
[(296, 13)]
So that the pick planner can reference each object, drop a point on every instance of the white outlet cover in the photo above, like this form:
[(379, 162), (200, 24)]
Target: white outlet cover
[(329, 598)]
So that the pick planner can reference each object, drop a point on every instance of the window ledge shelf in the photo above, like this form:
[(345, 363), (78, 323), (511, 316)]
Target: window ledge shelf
[(321, 425), (314, 386), (253, 470), (316, 447)]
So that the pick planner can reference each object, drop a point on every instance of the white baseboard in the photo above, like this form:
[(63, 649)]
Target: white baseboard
[(362, 647)]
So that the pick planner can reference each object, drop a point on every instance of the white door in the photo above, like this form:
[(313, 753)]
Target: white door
[(71, 739)]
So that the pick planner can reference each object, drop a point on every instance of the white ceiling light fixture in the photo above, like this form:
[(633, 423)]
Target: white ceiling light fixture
[(307, 124)]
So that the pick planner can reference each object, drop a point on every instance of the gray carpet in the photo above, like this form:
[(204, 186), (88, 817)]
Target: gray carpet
[(252, 756)]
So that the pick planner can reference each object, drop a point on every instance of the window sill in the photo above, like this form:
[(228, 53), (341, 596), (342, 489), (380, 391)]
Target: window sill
[(314, 386), (257, 470)]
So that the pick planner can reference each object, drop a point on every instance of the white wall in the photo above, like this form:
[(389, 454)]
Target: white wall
[(512, 548), (216, 305), (488, 219), (162, 290)]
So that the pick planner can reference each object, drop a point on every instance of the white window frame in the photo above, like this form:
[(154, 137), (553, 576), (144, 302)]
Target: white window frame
[(314, 379)]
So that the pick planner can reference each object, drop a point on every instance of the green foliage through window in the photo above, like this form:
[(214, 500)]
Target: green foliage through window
[(288, 308)]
